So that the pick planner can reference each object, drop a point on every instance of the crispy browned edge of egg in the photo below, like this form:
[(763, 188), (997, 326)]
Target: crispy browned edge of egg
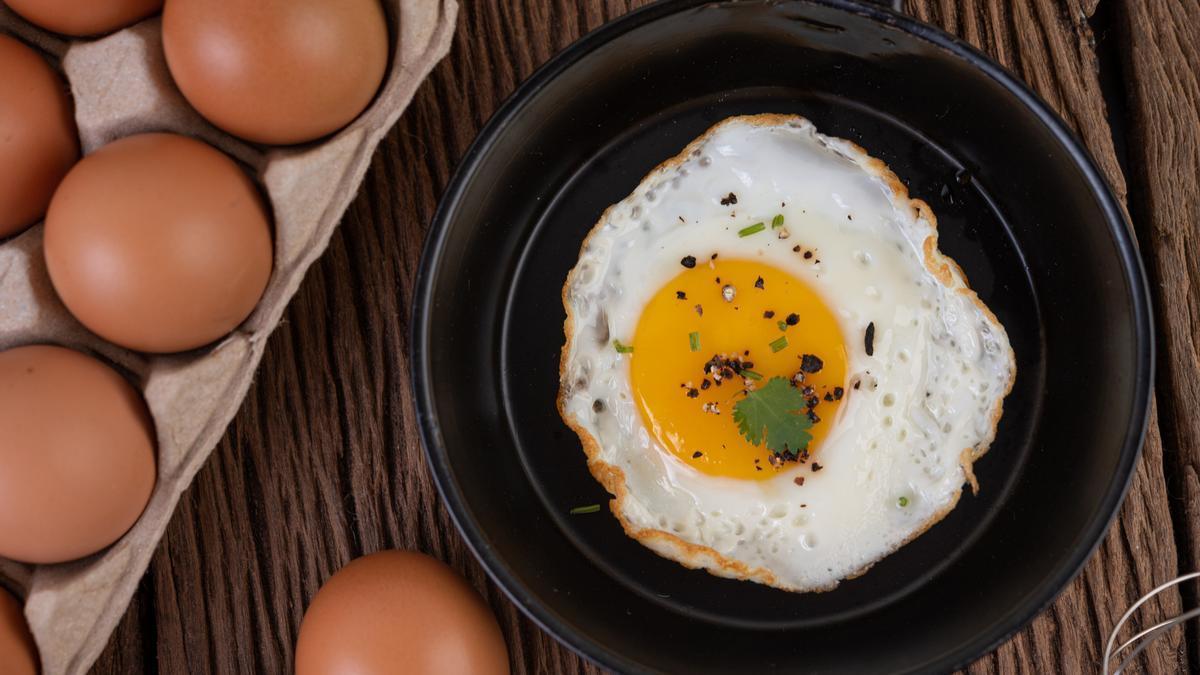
[(696, 556)]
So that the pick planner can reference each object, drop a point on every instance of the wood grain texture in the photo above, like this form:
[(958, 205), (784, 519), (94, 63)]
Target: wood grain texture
[(323, 462), (1162, 67)]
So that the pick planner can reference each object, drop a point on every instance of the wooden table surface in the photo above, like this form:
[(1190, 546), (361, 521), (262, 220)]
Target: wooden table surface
[(323, 463)]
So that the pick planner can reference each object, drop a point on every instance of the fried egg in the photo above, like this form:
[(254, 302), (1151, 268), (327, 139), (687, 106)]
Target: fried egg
[(767, 254)]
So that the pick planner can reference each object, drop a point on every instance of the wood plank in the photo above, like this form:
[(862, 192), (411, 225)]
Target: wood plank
[(1162, 67), (322, 463)]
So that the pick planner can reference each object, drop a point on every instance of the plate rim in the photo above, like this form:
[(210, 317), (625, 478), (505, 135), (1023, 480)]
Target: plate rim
[(1119, 229)]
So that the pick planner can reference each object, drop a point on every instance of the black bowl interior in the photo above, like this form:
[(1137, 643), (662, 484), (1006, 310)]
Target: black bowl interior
[(1019, 207)]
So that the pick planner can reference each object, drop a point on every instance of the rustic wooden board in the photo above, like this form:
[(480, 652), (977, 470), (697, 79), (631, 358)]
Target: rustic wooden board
[(323, 462), (1162, 67)]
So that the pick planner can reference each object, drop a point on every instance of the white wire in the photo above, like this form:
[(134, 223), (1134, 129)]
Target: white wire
[(1165, 624), (1162, 628), (1151, 633)]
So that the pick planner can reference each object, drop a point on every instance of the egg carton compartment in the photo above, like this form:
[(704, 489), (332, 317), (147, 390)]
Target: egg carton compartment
[(121, 86)]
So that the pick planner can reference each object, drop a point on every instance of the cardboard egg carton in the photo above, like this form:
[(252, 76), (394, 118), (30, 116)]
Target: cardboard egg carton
[(121, 86)]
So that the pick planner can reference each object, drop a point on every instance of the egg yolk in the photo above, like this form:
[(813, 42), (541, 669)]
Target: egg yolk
[(751, 317)]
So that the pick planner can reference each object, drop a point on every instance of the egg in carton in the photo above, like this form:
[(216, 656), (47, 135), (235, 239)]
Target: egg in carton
[(121, 86)]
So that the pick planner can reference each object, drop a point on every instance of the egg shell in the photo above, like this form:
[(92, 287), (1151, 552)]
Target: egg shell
[(158, 243), (399, 612), (77, 454), (37, 126), (18, 653), (84, 17), (277, 71)]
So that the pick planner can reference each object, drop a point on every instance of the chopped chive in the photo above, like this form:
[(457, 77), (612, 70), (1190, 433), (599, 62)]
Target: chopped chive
[(904, 501), (751, 375), (751, 229), (777, 221), (590, 508), (779, 345), (622, 349), (694, 341), (782, 325)]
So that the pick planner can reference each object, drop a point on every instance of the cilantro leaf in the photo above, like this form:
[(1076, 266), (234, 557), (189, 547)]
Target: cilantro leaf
[(776, 411)]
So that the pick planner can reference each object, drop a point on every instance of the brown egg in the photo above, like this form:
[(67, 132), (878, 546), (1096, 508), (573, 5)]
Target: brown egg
[(84, 17), (158, 243), (77, 455), (277, 71), (38, 141), (399, 612), (18, 652)]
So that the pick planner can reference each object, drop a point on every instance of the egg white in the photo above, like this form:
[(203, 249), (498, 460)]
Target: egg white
[(918, 412)]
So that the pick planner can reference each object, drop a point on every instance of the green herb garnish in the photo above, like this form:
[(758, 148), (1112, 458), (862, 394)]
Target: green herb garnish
[(694, 341), (904, 501), (777, 221), (782, 326), (780, 344), (590, 508), (621, 348), (774, 412), (750, 374), (751, 229)]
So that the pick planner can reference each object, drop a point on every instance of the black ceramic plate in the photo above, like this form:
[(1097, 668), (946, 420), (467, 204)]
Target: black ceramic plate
[(1020, 206)]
